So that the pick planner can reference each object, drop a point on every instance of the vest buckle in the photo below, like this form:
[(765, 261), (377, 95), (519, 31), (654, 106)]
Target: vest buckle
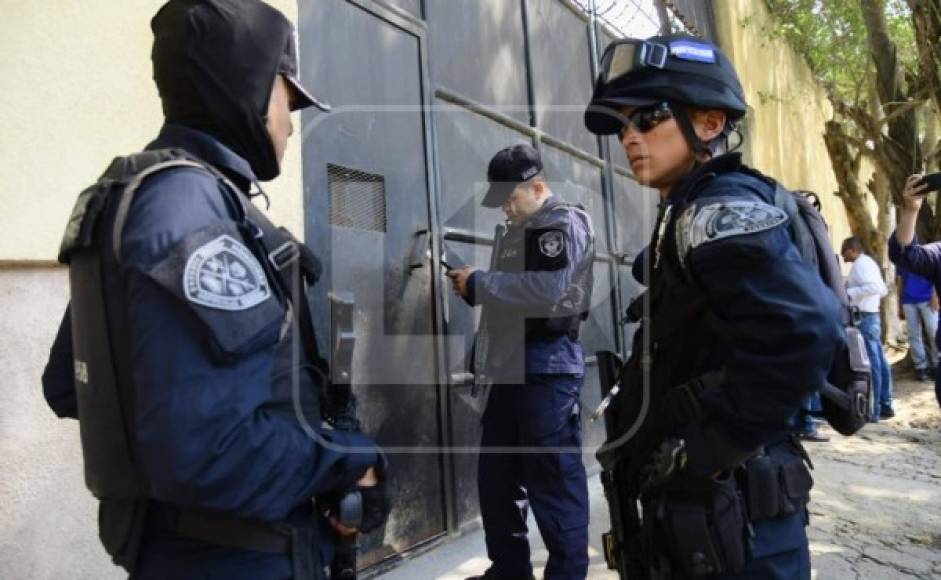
[(284, 255)]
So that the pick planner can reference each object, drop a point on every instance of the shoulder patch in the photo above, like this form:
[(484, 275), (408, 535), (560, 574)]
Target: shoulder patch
[(698, 226), (223, 274), (551, 243)]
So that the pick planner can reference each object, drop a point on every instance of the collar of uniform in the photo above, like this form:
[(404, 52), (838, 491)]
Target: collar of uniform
[(207, 148), (724, 163), (546, 208)]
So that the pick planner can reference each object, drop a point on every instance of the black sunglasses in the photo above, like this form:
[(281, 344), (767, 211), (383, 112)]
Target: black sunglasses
[(644, 119)]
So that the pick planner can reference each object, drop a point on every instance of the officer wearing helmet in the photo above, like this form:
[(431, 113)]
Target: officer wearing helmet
[(740, 330), (196, 382)]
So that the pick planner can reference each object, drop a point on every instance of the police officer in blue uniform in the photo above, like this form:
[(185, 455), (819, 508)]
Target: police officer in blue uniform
[(534, 300), (196, 379), (740, 330)]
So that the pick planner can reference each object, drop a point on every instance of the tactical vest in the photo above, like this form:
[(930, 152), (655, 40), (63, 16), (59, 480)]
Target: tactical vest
[(666, 360), (514, 326), (104, 386)]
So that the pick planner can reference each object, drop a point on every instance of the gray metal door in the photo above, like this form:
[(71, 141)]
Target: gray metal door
[(368, 209)]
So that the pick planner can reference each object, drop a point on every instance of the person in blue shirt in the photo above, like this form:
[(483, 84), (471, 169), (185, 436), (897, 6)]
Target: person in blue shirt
[(920, 306), (534, 300), (737, 330), (179, 288), (906, 252)]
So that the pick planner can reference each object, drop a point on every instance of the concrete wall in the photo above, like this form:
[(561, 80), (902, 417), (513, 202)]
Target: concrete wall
[(785, 126), (77, 91)]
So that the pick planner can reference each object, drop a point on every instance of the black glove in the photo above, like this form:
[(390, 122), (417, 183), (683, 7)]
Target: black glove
[(376, 506)]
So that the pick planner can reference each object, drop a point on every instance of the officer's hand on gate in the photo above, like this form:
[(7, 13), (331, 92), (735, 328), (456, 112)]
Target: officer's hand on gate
[(459, 279), (914, 193)]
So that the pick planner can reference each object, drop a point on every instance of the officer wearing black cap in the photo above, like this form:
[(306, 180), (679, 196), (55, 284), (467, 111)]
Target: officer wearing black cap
[(740, 330), (196, 376), (534, 300)]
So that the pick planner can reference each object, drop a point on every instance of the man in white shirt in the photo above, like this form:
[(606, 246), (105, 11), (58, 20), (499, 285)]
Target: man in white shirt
[(866, 288)]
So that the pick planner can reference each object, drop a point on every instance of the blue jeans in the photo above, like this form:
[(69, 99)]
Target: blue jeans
[(921, 319), (807, 425), (871, 328)]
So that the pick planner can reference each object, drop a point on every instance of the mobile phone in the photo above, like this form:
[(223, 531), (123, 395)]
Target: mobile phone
[(933, 180), (451, 261)]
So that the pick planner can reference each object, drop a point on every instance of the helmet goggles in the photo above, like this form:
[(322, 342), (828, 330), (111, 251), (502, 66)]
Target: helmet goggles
[(625, 56)]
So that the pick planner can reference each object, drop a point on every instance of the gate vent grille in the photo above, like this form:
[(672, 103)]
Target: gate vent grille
[(357, 199)]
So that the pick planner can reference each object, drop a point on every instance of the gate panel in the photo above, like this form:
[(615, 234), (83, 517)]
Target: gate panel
[(466, 143), (562, 83), (479, 51), (367, 216)]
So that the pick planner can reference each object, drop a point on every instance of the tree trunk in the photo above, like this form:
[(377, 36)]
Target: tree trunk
[(900, 151), (926, 21), (846, 170)]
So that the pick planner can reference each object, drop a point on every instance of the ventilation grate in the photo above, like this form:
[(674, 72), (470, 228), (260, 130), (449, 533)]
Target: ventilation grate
[(357, 199)]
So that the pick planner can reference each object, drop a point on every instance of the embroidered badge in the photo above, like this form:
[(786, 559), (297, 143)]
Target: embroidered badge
[(551, 244), (693, 51), (724, 220), (223, 274)]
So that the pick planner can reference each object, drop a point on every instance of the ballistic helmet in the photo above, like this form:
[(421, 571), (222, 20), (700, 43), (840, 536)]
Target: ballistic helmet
[(677, 69)]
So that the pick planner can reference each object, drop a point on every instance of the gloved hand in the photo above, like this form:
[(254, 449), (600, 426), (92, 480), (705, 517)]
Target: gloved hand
[(376, 506), (366, 507)]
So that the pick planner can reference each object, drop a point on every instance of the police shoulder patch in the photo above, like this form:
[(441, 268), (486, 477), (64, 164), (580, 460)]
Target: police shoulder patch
[(223, 274), (716, 221)]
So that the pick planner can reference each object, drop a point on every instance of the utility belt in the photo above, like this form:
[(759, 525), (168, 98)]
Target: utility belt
[(704, 526), (297, 541)]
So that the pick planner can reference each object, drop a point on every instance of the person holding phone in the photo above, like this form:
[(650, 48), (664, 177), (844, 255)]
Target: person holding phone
[(904, 249), (534, 301)]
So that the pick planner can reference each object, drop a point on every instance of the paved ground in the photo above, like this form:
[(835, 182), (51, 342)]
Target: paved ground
[(876, 510), (875, 513)]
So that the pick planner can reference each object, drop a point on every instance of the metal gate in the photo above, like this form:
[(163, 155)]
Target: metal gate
[(425, 92)]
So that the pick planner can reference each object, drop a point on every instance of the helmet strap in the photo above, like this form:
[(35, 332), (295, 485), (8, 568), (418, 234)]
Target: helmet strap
[(686, 126)]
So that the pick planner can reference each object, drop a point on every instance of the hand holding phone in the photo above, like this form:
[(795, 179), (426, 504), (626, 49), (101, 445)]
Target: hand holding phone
[(930, 182), (916, 187), (451, 261)]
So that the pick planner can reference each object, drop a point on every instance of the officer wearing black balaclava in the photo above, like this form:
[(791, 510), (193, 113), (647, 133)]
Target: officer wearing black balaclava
[(197, 380)]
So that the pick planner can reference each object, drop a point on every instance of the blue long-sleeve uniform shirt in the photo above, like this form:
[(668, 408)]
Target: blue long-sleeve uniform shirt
[(780, 322), (210, 431), (545, 270), (923, 260)]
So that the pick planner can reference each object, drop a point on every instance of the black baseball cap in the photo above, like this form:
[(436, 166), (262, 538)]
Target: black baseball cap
[(508, 168), (287, 67)]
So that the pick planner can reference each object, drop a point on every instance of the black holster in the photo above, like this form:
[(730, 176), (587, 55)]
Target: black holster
[(702, 527)]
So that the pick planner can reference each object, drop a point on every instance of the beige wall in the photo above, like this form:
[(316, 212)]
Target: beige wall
[(786, 124), (77, 91)]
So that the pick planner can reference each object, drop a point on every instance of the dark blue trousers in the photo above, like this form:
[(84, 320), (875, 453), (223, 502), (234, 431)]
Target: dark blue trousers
[(531, 456)]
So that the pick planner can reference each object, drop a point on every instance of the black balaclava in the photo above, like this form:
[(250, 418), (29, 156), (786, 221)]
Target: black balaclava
[(215, 63)]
